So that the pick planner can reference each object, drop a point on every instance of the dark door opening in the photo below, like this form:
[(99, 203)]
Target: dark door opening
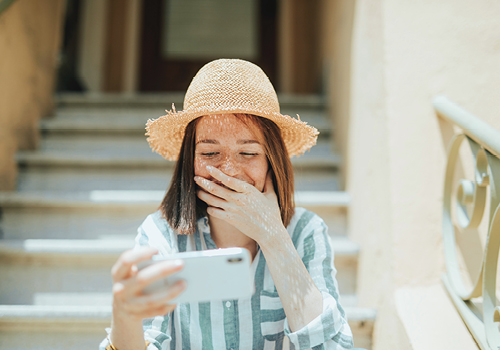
[(179, 37)]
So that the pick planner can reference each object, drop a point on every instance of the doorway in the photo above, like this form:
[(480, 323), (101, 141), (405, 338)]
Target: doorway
[(179, 37)]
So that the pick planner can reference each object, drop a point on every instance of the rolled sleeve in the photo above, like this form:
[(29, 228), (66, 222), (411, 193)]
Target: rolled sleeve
[(157, 340), (155, 332), (329, 330)]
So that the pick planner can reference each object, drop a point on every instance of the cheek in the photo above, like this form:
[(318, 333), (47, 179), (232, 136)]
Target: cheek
[(258, 173), (200, 167)]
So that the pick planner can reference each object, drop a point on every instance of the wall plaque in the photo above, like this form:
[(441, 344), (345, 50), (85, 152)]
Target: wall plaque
[(208, 29)]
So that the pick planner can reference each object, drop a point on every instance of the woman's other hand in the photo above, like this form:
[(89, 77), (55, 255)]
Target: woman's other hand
[(128, 283), (254, 213)]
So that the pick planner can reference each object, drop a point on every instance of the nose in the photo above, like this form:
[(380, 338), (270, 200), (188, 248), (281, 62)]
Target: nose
[(229, 166)]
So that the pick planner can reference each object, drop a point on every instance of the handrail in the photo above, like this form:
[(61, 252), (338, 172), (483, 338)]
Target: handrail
[(4, 4), (474, 127), (484, 142)]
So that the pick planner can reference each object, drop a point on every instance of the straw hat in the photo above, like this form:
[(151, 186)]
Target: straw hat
[(228, 86)]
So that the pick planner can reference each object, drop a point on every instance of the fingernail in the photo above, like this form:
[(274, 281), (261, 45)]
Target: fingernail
[(178, 262), (197, 178)]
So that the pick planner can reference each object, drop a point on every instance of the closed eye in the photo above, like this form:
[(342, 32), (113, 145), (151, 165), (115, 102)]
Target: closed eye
[(209, 154)]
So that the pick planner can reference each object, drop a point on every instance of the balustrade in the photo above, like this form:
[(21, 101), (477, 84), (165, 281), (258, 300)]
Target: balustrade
[(466, 215)]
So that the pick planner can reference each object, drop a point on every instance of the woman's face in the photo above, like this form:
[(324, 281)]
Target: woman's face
[(227, 143)]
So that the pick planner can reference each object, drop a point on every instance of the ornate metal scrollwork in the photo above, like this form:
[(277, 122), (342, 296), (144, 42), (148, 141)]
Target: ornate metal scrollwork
[(474, 194)]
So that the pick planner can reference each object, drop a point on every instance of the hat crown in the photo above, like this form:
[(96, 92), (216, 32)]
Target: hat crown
[(228, 86), (231, 85)]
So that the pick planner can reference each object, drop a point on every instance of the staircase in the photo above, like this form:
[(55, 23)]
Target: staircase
[(84, 192)]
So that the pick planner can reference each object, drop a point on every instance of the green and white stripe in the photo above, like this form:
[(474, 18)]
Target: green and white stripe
[(258, 322)]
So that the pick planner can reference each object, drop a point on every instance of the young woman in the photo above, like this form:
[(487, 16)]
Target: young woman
[(232, 187)]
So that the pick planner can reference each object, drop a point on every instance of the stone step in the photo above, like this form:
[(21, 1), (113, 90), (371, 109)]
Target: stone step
[(165, 100), (33, 271), (82, 327), (362, 321), (119, 163), (64, 178), (123, 199), (104, 214), (132, 121), (105, 299), (90, 151), (126, 113)]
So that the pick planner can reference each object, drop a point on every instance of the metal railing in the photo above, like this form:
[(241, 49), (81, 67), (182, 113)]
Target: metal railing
[(466, 216)]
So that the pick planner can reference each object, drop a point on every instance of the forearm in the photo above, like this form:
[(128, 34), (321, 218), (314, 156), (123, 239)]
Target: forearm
[(126, 333), (301, 299)]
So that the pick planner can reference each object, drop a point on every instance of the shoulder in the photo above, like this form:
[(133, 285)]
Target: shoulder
[(155, 231), (303, 219), (304, 223), (155, 223)]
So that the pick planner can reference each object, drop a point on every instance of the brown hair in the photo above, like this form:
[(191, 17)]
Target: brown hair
[(182, 208)]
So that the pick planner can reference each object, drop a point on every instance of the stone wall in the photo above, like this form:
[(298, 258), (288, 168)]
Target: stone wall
[(30, 33), (403, 54)]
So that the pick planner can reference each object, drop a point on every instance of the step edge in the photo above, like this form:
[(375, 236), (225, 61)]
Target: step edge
[(167, 98), (41, 313), (30, 158), (109, 246), (151, 198)]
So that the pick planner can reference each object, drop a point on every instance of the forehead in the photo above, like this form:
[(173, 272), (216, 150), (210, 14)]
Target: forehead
[(227, 125)]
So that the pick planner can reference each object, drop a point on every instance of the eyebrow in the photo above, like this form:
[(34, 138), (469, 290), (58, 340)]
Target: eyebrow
[(207, 141), (239, 142)]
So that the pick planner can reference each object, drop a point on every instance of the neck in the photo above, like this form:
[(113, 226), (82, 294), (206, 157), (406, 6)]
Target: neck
[(227, 236)]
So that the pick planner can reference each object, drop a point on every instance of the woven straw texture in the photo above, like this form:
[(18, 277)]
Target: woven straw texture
[(228, 86)]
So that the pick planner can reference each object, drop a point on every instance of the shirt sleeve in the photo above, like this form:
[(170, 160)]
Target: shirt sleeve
[(153, 233), (329, 330), (158, 341), (156, 329)]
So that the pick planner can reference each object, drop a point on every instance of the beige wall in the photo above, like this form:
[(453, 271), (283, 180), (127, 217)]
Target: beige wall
[(337, 24), (30, 34), (404, 53)]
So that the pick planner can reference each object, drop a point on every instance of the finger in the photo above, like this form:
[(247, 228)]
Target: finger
[(151, 274), (160, 298), (163, 310), (131, 287), (211, 200), (222, 214), (149, 313), (122, 268), (229, 181), (133, 270), (213, 188)]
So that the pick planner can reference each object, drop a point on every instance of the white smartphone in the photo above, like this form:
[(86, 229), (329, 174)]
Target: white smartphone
[(218, 274)]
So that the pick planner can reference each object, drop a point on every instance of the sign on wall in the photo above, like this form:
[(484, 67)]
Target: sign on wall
[(207, 29)]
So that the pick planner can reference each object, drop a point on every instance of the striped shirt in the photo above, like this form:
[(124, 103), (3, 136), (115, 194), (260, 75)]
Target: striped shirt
[(258, 322)]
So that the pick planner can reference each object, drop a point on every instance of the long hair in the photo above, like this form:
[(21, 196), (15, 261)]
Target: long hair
[(181, 207)]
